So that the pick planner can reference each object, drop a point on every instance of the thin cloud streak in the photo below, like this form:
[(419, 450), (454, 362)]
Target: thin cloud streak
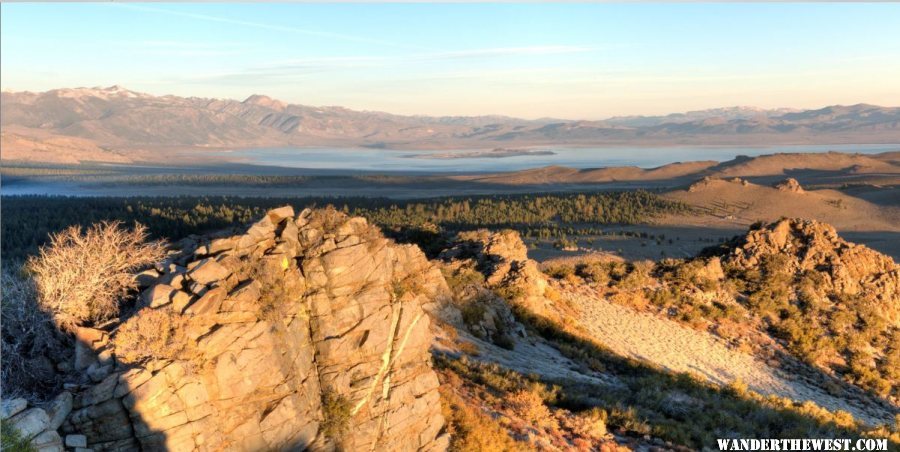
[(282, 28)]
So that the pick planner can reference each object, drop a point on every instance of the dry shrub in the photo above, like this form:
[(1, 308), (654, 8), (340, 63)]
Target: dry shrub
[(473, 312), (447, 328), (560, 271), (328, 219), (739, 388), (273, 295), (81, 274), (151, 334), (410, 284), (636, 300), (469, 348), (552, 294), (595, 272), (529, 405), (462, 278), (590, 424), (574, 279), (470, 428), (639, 276), (31, 343)]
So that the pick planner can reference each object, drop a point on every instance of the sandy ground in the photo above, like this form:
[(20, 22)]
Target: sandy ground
[(686, 241), (742, 203), (674, 241), (666, 344), (679, 349)]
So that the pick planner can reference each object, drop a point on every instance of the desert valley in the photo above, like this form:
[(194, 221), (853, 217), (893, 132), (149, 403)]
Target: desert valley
[(449, 227)]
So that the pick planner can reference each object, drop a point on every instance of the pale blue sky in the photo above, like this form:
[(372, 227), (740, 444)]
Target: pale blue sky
[(527, 60)]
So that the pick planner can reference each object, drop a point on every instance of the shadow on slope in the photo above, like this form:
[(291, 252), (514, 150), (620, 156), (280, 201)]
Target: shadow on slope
[(680, 408)]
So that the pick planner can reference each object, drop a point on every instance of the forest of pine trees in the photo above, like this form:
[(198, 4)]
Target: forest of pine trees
[(29, 219)]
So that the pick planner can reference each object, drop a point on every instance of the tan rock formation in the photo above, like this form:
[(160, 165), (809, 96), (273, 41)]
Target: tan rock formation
[(307, 331), (503, 258), (812, 245), (790, 184)]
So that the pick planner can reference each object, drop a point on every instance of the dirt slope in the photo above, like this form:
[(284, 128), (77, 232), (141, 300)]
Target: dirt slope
[(47, 147), (735, 202), (777, 164), (566, 175), (679, 349)]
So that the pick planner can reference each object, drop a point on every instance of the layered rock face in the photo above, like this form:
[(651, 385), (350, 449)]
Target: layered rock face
[(306, 332), (813, 246)]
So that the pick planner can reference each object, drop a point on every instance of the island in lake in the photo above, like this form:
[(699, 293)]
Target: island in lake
[(496, 153)]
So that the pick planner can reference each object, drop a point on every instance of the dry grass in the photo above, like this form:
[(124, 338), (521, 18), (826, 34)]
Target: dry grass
[(529, 405), (489, 407), (471, 429), (82, 274), (274, 295), (151, 334), (590, 424), (469, 348)]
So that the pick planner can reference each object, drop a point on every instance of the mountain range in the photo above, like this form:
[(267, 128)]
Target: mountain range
[(117, 119)]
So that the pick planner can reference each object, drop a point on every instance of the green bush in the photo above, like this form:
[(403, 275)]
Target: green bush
[(595, 272), (462, 278), (11, 440), (336, 414)]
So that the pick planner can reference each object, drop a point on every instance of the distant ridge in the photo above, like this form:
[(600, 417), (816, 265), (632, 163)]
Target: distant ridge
[(772, 165), (728, 113), (117, 118)]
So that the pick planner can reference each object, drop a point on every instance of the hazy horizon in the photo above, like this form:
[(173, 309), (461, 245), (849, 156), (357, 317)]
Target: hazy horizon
[(527, 61)]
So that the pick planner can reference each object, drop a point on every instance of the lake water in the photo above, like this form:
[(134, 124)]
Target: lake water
[(393, 160)]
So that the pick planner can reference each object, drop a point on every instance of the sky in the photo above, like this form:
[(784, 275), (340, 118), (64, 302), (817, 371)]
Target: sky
[(574, 61)]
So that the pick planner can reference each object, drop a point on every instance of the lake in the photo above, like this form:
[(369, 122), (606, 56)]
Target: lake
[(411, 160)]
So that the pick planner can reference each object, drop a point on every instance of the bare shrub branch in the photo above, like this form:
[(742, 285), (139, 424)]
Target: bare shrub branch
[(31, 343), (82, 274)]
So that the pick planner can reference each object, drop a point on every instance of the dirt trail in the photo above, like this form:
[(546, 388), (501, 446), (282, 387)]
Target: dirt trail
[(680, 349)]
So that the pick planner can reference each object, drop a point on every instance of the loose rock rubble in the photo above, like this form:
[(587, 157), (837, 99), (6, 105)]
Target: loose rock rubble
[(38, 425)]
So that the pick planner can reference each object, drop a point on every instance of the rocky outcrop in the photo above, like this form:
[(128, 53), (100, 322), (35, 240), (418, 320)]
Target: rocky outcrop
[(808, 245), (503, 258), (709, 182), (306, 332), (790, 185), (700, 184)]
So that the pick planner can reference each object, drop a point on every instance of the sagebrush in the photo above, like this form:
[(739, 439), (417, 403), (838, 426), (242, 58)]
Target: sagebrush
[(151, 334), (81, 274)]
